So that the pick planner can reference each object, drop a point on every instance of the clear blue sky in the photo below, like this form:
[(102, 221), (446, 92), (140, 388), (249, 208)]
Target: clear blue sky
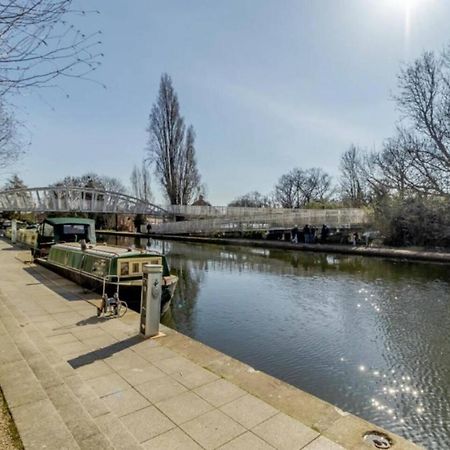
[(267, 85)]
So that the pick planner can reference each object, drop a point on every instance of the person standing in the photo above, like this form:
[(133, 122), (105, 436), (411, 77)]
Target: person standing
[(306, 233), (324, 233), (294, 234)]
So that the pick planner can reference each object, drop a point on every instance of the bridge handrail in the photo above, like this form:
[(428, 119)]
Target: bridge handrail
[(21, 193)]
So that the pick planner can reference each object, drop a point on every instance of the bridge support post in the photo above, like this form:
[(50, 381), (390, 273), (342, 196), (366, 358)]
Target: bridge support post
[(151, 300), (13, 231)]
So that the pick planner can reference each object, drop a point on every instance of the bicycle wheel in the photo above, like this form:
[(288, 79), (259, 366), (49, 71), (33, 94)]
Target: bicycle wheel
[(122, 308)]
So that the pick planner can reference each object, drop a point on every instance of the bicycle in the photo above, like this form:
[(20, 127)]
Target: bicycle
[(112, 306)]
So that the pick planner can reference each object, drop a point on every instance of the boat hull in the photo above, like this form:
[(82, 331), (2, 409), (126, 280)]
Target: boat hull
[(130, 293)]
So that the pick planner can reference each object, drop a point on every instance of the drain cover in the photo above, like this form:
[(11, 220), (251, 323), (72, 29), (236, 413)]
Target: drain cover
[(378, 439)]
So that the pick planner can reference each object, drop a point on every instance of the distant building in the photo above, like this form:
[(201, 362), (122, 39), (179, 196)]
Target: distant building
[(201, 202)]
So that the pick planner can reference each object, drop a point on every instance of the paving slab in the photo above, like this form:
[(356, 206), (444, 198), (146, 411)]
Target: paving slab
[(322, 443), (108, 384), (139, 375), (213, 429), (147, 423), (93, 369), (117, 433), (160, 389), (87, 396), (125, 402), (184, 407), (195, 377), (285, 433), (247, 441), (219, 392), (249, 411), (175, 439), (41, 427)]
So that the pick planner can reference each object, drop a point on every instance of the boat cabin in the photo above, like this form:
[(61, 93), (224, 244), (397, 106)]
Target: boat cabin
[(55, 230)]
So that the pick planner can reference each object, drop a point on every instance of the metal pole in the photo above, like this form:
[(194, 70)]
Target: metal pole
[(151, 300), (13, 231)]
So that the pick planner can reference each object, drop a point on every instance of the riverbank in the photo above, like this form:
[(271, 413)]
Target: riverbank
[(73, 380), (381, 252)]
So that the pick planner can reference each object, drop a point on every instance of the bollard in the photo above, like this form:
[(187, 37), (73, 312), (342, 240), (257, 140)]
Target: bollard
[(14, 231), (151, 300)]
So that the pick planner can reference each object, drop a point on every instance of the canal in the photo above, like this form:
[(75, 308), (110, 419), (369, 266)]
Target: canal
[(370, 335)]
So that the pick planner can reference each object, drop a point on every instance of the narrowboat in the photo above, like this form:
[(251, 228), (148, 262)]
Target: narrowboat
[(68, 246), (54, 230)]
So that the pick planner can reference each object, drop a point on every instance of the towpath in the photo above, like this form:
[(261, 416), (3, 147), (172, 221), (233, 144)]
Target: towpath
[(74, 381)]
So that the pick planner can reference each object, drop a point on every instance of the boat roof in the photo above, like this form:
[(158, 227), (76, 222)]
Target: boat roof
[(69, 220), (108, 250)]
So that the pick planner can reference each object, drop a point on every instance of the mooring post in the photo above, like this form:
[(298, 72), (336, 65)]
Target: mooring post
[(13, 231), (151, 300)]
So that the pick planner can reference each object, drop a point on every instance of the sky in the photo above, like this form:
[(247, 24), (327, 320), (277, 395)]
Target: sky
[(267, 85)]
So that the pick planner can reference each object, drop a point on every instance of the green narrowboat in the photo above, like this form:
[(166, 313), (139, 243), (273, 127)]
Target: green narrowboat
[(68, 246), (54, 230)]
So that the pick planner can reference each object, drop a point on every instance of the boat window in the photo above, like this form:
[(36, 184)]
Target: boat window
[(155, 261), (99, 267), (73, 229), (124, 268), (136, 267), (47, 230)]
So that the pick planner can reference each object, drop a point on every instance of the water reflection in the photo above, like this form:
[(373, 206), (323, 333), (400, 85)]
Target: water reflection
[(369, 335)]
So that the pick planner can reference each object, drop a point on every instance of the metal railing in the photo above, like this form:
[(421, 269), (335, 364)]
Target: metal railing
[(71, 199), (264, 220)]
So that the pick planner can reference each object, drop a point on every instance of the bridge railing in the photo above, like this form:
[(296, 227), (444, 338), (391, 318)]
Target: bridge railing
[(71, 199), (221, 211), (335, 218)]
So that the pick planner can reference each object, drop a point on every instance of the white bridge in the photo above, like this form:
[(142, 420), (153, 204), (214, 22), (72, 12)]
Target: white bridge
[(207, 220), (176, 219), (75, 199)]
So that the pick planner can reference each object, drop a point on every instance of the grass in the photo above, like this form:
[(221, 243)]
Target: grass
[(9, 436)]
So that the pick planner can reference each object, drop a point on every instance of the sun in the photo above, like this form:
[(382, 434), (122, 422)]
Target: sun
[(407, 4), (407, 10)]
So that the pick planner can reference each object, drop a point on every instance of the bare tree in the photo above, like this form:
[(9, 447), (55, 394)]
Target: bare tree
[(11, 147), (140, 183), (252, 200), (424, 100), (39, 45), (353, 181), (286, 193), (171, 149), (316, 186), (299, 187), (94, 181), (405, 168), (14, 182)]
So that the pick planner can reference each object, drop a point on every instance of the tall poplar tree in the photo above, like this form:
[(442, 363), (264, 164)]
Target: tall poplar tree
[(171, 147)]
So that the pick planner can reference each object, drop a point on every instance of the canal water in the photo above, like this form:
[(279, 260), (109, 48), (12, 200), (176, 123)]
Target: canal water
[(370, 335)]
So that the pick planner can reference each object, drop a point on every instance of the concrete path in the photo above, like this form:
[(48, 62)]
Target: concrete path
[(73, 381)]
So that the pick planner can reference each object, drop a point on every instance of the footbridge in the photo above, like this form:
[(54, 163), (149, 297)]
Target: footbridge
[(75, 199), (176, 219), (204, 220)]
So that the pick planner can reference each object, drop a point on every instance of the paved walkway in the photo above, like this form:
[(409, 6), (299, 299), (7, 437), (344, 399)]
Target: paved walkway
[(73, 381)]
